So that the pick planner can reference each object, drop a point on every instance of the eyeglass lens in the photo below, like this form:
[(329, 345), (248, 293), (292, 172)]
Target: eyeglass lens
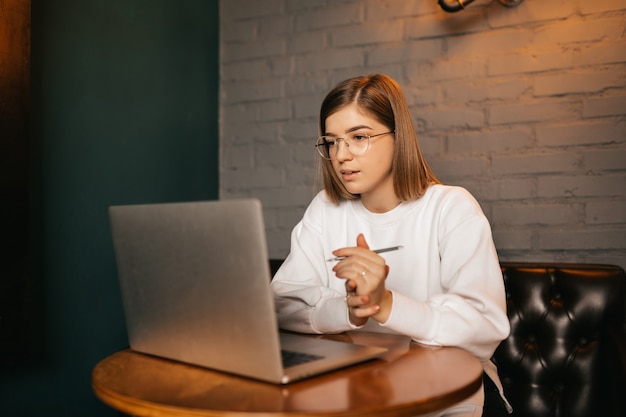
[(357, 144)]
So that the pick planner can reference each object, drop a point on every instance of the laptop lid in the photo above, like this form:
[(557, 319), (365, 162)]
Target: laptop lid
[(195, 287)]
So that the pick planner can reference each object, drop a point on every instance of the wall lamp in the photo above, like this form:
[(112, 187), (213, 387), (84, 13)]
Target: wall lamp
[(452, 6)]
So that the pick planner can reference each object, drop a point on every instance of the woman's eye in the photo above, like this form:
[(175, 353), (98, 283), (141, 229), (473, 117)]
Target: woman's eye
[(359, 138)]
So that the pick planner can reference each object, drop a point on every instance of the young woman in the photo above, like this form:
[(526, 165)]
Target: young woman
[(442, 286)]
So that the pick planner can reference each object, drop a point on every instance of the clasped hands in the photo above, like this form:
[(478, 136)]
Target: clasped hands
[(365, 273)]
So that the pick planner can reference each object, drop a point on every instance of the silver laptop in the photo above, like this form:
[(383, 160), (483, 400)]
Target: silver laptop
[(195, 285)]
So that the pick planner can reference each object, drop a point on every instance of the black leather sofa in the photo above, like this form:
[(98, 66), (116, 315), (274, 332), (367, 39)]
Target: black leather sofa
[(566, 354)]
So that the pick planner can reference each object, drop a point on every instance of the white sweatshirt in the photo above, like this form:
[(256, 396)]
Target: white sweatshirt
[(446, 280)]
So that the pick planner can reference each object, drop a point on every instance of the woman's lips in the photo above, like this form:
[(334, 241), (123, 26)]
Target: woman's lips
[(348, 174)]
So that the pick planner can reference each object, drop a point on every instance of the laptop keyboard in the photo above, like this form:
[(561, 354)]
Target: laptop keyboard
[(291, 358)]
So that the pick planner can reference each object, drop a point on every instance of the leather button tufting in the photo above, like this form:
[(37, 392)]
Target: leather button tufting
[(562, 357)]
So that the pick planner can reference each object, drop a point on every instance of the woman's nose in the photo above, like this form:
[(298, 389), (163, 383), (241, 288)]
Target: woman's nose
[(343, 152)]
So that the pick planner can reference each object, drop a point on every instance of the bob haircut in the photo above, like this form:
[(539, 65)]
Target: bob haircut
[(380, 96)]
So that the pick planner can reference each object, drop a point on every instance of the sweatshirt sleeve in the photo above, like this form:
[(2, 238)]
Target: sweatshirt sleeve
[(471, 311), (307, 300)]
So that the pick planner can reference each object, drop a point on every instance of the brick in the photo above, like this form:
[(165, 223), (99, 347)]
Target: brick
[(307, 42), (606, 160), (327, 17), (276, 197), (604, 106), (539, 256), (236, 157), (276, 26), (306, 107), (403, 52), (536, 214), (512, 239), (306, 160), (254, 49), (303, 174), (582, 239), (431, 145), (529, 62), (271, 154), (238, 114), (577, 83), (453, 117), (484, 89), (252, 133), (426, 95), (489, 190), (300, 131), (531, 163), (278, 243), (373, 33), (261, 177), (303, 5), (445, 24), (281, 66), (533, 112), (527, 13), (288, 219), (418, 125), (606, 212), (449, 169), (515, 188), (599, 6), (249, 91), (489, 42), (585, 133), (437, 70), (487, 142), (331, 60), (581, 186), (578, 30), (275, 110), (250, 70), (600, 53), (374, 9), (307, 85)]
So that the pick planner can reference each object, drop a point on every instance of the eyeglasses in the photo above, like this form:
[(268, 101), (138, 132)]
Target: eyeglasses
[(357, 144)]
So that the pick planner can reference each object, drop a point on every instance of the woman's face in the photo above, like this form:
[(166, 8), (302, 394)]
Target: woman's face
[(370, 174)]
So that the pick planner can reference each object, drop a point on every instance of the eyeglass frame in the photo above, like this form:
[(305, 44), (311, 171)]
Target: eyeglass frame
[(337, 139)]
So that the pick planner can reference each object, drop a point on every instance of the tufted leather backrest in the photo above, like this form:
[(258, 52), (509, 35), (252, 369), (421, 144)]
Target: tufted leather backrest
[(566, 354)]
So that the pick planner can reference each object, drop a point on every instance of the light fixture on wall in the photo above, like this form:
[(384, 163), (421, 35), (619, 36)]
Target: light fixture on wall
[(452, 6)]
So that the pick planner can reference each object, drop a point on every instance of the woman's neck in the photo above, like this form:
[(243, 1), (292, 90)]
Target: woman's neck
[(380, 202)]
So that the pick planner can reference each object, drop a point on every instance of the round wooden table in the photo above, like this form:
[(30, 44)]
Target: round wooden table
[(409, 380)]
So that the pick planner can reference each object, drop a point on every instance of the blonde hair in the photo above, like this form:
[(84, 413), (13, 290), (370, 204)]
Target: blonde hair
[(380, 96)]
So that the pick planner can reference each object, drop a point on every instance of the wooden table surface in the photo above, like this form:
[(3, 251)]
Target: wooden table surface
[(409, 380)]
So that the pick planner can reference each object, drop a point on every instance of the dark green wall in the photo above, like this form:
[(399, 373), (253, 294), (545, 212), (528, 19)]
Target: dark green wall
[(124, 109)]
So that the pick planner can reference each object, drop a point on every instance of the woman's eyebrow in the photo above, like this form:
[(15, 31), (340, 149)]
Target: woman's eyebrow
[(359, 127), (352, 129)]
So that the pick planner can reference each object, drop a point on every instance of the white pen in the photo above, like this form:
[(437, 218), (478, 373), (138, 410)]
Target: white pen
[(383, 250)]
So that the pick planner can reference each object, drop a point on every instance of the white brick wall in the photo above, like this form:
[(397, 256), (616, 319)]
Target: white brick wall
[(525, 107)]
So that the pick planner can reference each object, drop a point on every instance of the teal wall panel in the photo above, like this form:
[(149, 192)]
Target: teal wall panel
[(124, 110)]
